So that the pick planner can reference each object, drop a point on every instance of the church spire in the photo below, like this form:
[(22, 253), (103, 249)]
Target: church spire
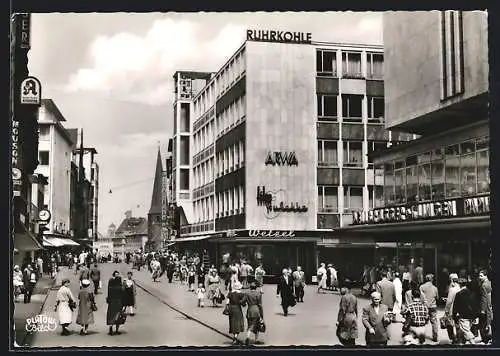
[(157, 185)]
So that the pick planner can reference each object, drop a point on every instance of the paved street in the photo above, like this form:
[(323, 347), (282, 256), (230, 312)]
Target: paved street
[(154, 324), (310, 323)]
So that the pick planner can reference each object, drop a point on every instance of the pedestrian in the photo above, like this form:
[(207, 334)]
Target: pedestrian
[(285, 291), (409, 293), (235, 300), (375, 319), (332, 273), (170, 270), (213, 287), (244, 271), (65, 304), (17, 282), (129, 295), (39, 263), (429, 295), (299, 282), (387, 291), (398, 291), (29, 280), (485, 307), (322, 277), (84, 273), (155, 269), (416, 318), (86, 307), (255, 313), (418, 273), (191, 278), (464, 311), (347, 326), (259, 278), (115, 315), (95, 276), (200, 295), (448, 317)]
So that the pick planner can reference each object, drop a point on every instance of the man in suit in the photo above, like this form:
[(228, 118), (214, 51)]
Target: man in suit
[(285, 290), (429, 294), (485, 308), (95, 276), (299, 282), (387, 291), (375, 321)]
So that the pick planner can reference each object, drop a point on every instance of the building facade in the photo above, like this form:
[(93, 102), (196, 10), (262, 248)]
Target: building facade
[(270, 157), (435, 208), (132, 234)]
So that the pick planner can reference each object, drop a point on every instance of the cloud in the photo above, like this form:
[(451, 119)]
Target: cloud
[(140, 69)]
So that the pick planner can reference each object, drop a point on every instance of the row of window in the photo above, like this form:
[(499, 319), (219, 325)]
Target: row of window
[(328, 201), (352, 152), (352, 107), (204, 137), (230, 73), (230, 202), (231, 116), (204, 209), (232, 158), (203, 173), (448, 172), (204, 101), (351, 64)]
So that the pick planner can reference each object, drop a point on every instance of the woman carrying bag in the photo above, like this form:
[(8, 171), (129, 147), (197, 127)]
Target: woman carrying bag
[(255, 313), (64, 306), (235, 300), (86, 307)]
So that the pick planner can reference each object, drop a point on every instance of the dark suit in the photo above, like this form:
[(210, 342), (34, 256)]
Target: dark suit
[(486, 311), (386, 289), (95, 276), (373, 320), (285, 290)]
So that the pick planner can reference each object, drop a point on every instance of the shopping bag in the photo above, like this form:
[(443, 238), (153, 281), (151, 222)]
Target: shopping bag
[(226, 310)]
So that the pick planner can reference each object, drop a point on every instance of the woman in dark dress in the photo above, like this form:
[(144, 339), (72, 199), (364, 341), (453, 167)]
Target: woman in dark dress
[(115, 313), (129, 293), (255, 312), (236, 300), (347, 327)]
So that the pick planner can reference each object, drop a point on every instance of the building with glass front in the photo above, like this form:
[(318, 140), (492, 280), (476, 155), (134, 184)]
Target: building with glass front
[(435, 207), (270, 153)]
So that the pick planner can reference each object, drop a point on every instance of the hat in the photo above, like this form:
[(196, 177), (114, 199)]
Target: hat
[(85, 282), (236, 286), (453, 276), (16, 266)]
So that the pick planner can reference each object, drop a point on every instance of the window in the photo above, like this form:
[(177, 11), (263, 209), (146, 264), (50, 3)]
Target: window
[(437, 174), (184, 157), (424, 176), (452, 174), (327, 106), (389, 184), (353, 198), (376, 109), (184, 179), (185, 117), (468, 168), (327, 199), (411, 179), (375, 146), (483, 170), (352, 108), (351, 65), (377, 201), (353, 153), (327, 153), (375, 65), (43, 158), (400, 183), (44, 132), (326, 62)]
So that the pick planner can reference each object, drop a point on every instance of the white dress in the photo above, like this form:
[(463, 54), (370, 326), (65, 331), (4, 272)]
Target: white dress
[(398, 287), (322, 275), (64, 312)]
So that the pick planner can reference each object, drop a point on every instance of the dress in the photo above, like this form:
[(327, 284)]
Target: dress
[(347, 318), (254, 312), (128, 293), (64, 312), (114, 300), (322, 277), (236, 322), (85, 314), (213, 286)]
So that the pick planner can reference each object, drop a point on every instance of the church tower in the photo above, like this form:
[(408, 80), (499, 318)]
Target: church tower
[(154, 215)]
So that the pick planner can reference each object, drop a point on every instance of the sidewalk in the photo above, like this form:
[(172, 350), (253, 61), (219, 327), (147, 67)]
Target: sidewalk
[(43, 291), (309, 323)]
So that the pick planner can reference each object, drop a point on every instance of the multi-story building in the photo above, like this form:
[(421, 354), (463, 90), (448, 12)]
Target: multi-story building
[(270, 156), (435, 207), (133, 233), (54, 152)]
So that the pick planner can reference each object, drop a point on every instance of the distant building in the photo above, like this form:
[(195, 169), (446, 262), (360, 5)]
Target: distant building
[(131, 235), (154, 227)]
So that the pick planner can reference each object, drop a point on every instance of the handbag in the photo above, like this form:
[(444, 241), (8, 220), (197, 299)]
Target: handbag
[(226, 310), (72, 304), (262, 326), (443, 322), (93, 307), (293, 301), (121, 318)]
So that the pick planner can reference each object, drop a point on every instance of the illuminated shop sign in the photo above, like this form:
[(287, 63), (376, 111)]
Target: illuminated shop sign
[(279, 36), (421, 211), (281, 159), (271, 200)]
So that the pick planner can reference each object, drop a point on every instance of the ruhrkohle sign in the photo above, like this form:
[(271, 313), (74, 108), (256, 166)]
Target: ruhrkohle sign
[(279, 36)]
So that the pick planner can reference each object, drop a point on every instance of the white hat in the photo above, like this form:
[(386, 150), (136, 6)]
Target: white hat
[(85, 282), (236, 286)]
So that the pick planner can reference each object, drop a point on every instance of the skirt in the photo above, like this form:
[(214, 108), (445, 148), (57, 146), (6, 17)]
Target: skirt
[(64, 313), (253, 318), (236, 322), (113, 313)]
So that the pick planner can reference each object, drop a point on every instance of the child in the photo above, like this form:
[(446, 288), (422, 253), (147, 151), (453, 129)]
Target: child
[(191, 276), (200, 293)]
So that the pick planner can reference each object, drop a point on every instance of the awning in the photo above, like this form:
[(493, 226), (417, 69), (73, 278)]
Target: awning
[(193, 238), (25, 240), (58, 242)]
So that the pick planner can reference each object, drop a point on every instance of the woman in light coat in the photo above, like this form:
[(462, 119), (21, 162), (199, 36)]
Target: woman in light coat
[(86, 307), (64, 306), (398, 287)]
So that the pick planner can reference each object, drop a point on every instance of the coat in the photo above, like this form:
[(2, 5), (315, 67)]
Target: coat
[(398, 291), (299, 279), (373, 320), (114, 300), (485, 301), (64, 312), (95, 274), (347, 317), (255, 312), (285, 290), (387, 291), (85, 314), (429, 294), (236, 322), (465, 305)]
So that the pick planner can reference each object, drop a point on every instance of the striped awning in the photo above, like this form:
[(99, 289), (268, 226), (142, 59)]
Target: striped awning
[(58, 242)]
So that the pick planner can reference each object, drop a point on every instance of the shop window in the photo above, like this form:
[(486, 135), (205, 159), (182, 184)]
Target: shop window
[(483, 171), (352, 108), (452, 171), (327, 153), (351, 65), (353, 198), (43, 158), (400, 185), (468, 174), (424, 182), (353, 153), (376, 109), (389, 193), (378, 196), (375, 64)]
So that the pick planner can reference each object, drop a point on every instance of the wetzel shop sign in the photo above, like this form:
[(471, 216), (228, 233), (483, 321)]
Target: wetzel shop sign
[(478, 205)]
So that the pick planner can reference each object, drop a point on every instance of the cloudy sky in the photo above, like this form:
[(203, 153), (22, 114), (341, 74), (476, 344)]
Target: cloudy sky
[(111, 74)]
